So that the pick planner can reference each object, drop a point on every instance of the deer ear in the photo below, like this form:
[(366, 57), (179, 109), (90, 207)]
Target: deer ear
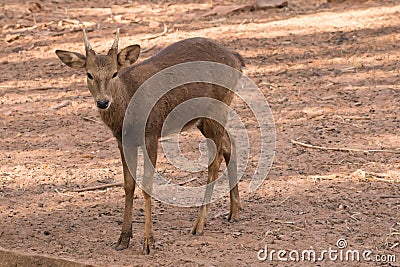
[(128, 55), (72, 59)]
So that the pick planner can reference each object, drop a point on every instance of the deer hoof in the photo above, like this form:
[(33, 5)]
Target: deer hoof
[(198, 228), (233, 217), (234, 212), (123, 241), (147, 244)]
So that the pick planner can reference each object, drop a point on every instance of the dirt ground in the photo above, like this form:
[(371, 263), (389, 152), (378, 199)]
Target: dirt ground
[(330, 73)]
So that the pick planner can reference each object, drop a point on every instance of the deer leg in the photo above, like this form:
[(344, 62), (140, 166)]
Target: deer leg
[(229, 152), (129, 186), (149, 168), (213, 169)]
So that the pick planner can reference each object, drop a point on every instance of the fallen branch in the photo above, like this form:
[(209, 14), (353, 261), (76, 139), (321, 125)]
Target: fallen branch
[(345, 149), (98, 187), (157, 35)]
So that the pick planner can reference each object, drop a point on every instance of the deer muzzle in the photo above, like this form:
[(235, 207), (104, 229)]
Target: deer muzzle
[(103, 104)]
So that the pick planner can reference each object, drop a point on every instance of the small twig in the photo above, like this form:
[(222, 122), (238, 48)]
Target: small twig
[(377, 178), (329, 97), (147, 49), (345, 149), (64, 194), (157, 35), (347, 226), (109, 139), (37, 89), (326, 86), (382, 177), (353, 216), (17, 90), (90, 119), (23, 30), (348, 69), (315, 178), (97, 187), (73, 30), (355, 118), (223, 214), (9, 90), (60, 105), (387, 196), (243, 22), (71, 21), (283, 201), (188, 181), (288, 223)]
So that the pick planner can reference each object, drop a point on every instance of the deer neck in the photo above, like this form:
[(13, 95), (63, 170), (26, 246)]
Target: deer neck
[(113, 117)]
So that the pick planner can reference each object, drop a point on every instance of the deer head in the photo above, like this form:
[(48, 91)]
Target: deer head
[(101, 70)]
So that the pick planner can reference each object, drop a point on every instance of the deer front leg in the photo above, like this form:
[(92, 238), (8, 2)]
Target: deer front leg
[(149, 168), (129, 186)]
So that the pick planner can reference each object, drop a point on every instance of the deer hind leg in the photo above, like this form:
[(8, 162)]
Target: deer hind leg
[(229, 152), (211, 130), (129, 186), (149, 168)]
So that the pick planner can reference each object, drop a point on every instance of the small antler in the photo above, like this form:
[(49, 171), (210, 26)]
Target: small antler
[(116, 40), (88, 47)]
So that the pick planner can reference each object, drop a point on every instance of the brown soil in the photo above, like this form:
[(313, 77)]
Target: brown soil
[(330, 72)]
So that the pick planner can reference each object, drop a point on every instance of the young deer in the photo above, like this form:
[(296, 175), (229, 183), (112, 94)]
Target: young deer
[(113, 80)]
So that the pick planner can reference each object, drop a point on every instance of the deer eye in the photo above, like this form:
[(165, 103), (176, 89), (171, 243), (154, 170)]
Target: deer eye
[(90, 77), (115, 75)]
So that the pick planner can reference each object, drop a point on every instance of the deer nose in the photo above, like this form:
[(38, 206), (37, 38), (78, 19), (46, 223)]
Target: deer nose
[(102, 104)]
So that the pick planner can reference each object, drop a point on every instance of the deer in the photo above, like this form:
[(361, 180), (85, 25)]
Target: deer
[(113, 79)]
